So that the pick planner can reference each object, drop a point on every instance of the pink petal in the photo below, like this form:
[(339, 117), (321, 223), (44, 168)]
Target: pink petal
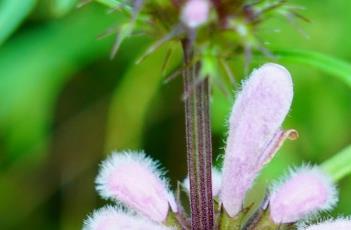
[(257, 115), (338, 224), (134, 180), (111, 218), (304, 192), (195, 13)]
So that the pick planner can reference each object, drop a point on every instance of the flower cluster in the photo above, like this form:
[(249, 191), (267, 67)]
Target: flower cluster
[(144, 200), (216, 30)]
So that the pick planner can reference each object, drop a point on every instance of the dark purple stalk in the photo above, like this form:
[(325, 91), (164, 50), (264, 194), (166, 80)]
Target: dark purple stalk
[(216, 3), (199, 143)]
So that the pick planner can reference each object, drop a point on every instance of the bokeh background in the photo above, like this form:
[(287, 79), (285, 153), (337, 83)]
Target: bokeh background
[(64, 105)]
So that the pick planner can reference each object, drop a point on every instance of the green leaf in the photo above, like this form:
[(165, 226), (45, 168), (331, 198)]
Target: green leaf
[(109, 3), (339, 166), (12, 14), (36, 65), (326, 63), (132, 98), (61, 7), (54, 8)]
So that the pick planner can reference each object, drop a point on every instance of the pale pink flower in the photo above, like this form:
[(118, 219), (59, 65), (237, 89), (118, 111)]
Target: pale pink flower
[(338, 224), (134, 180), (254, 127), (113, 218), (255, 135), (195, 13), (304, 192)]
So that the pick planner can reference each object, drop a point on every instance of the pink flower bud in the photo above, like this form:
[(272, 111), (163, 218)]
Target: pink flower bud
[(195, 13), (134, 180), (257, 115), (110, 218), (303, 193), (216, 182), (338, 224)]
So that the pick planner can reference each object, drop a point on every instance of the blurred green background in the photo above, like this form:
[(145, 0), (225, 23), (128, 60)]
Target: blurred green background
[(64, 104)]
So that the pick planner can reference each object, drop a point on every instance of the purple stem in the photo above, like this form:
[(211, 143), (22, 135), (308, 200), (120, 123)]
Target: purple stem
[(199, 143)]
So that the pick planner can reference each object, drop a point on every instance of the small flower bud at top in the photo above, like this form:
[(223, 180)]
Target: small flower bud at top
[(257, 115), (134, 180), (195, 13), (111, 218), (338, 224), (304, 192)]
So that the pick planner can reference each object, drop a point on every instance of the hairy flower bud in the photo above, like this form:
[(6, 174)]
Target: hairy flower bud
[(134, 180), (111, 218), (304, 192), (254, 125), (338, 224), (195, 13)]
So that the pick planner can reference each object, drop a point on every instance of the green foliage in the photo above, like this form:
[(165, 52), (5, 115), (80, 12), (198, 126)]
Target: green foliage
[(55, 8), (331, 65), (140, 84), (339, 166), (12, 14), (43, 60)]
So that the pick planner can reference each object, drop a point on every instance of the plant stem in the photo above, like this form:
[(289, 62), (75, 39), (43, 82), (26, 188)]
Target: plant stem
[(199, 143)]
